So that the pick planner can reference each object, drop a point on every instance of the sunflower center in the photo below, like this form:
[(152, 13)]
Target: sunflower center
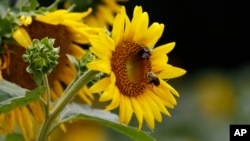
[(130, 69)]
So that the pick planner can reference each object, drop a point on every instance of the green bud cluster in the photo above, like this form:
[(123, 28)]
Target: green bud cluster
[(41, 56), (85, 59)]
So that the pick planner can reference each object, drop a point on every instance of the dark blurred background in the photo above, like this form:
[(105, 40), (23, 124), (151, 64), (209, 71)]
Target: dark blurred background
[(208, 33), (212, 45)]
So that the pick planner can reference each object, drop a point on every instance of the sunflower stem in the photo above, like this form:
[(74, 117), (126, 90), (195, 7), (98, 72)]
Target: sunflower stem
[(47, 106), (66, 98)]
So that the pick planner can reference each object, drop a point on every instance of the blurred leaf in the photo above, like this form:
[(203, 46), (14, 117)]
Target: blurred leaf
[(12, 96), (14, 137), (73, 61), (8, 23), (4, 4), (84, 112), (27, 5), (81, 5)]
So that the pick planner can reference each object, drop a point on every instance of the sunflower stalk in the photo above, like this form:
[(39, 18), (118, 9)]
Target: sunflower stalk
[(47, 106), (62, 103)]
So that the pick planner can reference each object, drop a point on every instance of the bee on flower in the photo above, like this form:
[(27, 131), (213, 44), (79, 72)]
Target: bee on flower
[(133, 64)]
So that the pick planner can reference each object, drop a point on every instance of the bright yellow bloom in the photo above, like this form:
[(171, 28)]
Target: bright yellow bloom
[(129, 58), (103, 13), (79, 130), (216, 96), (68, 31)]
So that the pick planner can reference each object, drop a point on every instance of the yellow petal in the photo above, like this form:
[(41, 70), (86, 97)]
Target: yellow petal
[(122, 109), (134, 23), (170, 71), (142, 26), (58, 88), (37, 111), (126, 111), (129, 110), (154, 108), (25, 20), (27, 122), (163, 49), (138, 112), (66, 75), (101, 52), (147, 113), (164, 94), (109, 91), (53, 95), (118, 29), (106, 13), (100, 65), (8, 121), (108, 42), (52, 17), (84, 97), (116, 100), (76, 51), (77, 16), (152, 35), (126, 26), (100, 85), (19, 119), (158, 63), (165, 85), (86, 91), (22, 37), (65, 16), (158, 101)]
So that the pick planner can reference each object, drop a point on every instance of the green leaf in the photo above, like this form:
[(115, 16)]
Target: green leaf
[(27, 5), (73, 61), (14, 137), (84, 112), (38, 77), (4, 4), (12, 96)]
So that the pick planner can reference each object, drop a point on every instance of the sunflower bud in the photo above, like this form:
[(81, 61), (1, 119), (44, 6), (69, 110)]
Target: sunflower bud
[(41, 56), (86, 58)]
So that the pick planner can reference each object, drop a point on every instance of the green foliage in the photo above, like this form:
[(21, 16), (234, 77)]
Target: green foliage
[(82, 5), (26, 5), (14, 137), (105, 118), (13, 96), (80, 64), (81, 68)]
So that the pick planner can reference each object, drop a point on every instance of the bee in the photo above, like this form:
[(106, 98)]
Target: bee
[(144, 53), (153, 79)]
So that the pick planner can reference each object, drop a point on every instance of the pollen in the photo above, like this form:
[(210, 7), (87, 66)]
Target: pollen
[(130, 69)]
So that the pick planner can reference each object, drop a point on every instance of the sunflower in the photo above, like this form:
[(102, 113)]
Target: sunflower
[(79, 129), (103, 13), (135, 69), (69, 32)]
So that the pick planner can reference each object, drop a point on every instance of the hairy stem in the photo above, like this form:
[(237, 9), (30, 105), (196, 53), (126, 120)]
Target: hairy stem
[(47, 107), (62, 102)]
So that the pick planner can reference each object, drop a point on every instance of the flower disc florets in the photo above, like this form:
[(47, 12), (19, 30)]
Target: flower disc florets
[(41, 56)]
